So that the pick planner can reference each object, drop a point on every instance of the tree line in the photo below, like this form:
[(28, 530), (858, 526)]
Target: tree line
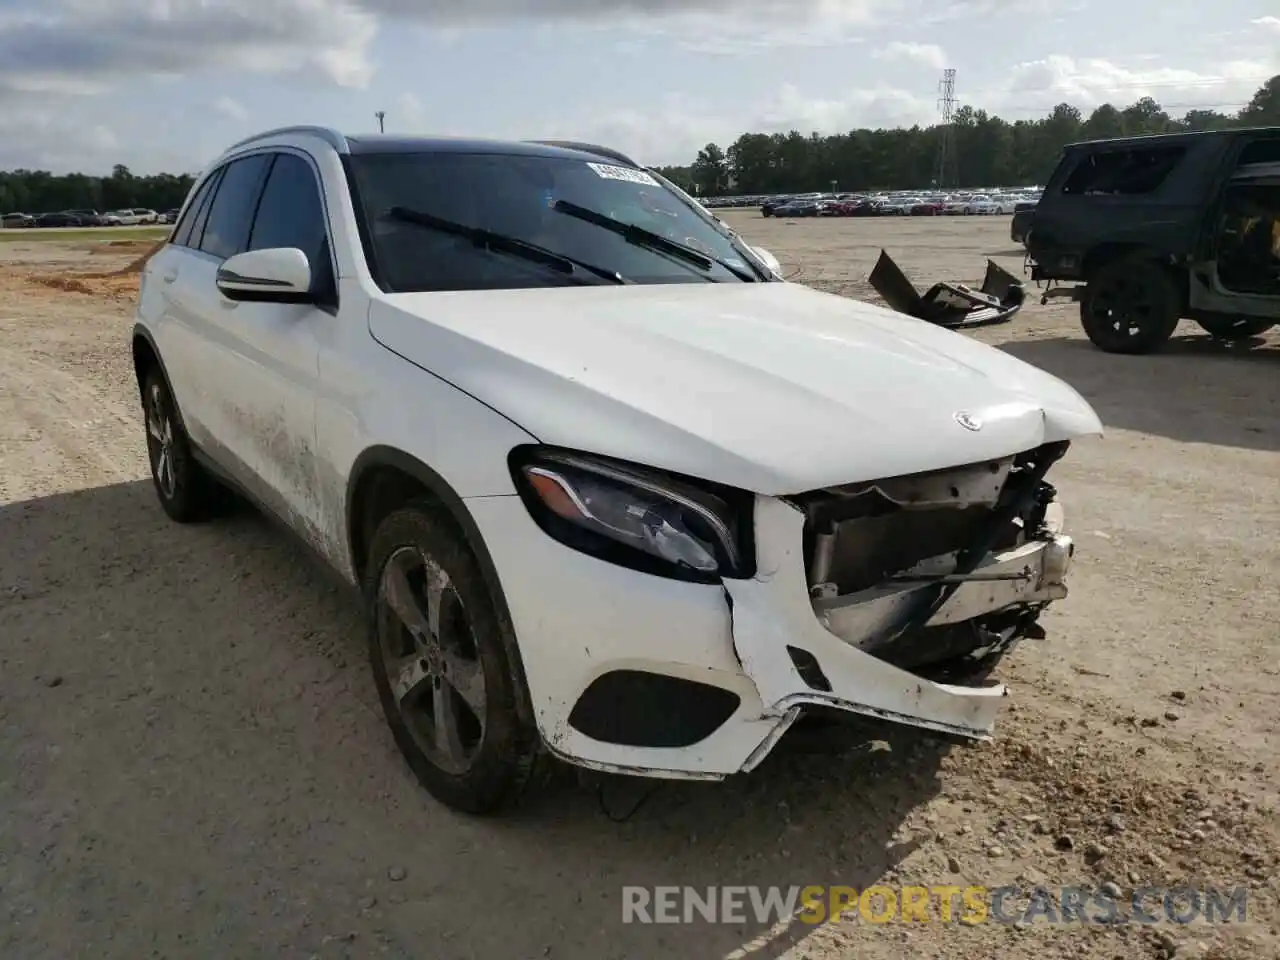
[(985, 150), (39, 191)]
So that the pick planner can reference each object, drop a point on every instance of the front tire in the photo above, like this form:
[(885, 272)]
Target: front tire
[(1235, 328), (186, 492), (1130, 306), (438, 650)]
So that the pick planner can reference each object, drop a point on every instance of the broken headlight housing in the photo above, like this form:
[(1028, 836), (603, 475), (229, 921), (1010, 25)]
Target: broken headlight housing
[(635, 517)]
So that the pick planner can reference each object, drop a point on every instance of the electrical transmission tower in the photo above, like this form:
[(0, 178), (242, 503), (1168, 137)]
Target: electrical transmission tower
[(946, 170)]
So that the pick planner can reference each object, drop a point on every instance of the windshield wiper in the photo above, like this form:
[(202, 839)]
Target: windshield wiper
[(502, 243), (761, 273), (649, 239)]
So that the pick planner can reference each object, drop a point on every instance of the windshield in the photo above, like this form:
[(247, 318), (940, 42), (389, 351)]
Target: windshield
[(524, 199)]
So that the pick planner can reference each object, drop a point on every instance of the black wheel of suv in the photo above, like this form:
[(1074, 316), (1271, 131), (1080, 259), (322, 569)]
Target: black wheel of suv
[(1130, 306), (1235, 328), (436, 644), (186, 491)]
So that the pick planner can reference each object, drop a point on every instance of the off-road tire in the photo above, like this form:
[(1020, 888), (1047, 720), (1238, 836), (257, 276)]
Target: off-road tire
[(1130, 306), (510, 748), (1235, 328), (186, 491)]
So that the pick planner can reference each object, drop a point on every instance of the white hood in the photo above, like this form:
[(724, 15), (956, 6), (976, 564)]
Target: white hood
[(770, 387)]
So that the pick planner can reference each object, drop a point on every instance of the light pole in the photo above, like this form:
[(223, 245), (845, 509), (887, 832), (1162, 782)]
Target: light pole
[(381, 115)]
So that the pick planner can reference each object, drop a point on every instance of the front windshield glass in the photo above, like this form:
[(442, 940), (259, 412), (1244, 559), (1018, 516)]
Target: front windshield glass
[(525, 198)]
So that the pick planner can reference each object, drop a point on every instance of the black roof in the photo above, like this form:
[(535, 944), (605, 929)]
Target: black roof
[(396, 143), (1157, 139)]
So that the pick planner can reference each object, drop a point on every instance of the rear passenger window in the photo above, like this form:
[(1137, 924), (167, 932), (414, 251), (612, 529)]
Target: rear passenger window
[(182, 232), (227, 231), (290, 213), (1136, 170)]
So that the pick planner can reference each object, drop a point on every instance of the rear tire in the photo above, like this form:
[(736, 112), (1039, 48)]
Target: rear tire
[(1130, 306), (439, 657), (1235, 328), (186, 491)]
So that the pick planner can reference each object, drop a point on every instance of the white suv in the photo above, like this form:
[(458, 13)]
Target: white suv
[(638, 529)]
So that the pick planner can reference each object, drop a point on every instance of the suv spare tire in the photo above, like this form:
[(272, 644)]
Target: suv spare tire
[(1130, 306), (1235, 328)]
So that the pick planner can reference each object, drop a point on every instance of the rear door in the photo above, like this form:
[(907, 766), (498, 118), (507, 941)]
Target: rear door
[(163, 304), (204, 315), (221, 225)]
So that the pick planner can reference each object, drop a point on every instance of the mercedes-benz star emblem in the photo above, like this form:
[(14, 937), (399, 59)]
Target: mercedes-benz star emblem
[(968, 421)]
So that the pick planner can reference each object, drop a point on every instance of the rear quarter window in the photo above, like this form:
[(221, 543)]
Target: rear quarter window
[(183, 231), (1131, 171)]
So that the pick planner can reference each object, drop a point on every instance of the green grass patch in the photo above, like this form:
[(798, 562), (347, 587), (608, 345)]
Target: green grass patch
[(80, 234)]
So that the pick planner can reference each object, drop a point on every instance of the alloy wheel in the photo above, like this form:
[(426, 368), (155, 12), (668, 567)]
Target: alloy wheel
[(160, 444), (431, 660)]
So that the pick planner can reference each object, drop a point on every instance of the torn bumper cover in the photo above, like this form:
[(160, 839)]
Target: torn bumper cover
[(951, 305), (773, 617)]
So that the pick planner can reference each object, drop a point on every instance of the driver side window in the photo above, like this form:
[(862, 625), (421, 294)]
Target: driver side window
[(291, 214)]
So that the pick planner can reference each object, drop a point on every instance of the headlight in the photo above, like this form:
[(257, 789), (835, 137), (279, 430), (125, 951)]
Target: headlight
[(637, 518)]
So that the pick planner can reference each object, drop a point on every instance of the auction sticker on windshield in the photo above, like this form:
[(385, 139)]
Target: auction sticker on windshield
[(610, 172)]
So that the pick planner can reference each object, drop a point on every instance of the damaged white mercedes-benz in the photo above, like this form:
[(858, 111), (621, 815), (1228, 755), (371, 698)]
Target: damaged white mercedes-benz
[(612, 491)]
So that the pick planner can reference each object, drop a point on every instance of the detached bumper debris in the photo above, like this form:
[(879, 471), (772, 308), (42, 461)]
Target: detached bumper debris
[(951, 305)]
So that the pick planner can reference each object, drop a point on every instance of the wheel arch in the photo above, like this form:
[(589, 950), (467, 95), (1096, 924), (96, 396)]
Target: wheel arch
[(384, 478), (1105, 254), (147, 355)]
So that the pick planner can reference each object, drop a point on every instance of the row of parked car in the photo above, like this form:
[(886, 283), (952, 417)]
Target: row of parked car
[(1003, 203), (131, 217)]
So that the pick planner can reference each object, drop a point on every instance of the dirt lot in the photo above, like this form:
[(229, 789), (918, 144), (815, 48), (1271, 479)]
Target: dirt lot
[(192, 763)]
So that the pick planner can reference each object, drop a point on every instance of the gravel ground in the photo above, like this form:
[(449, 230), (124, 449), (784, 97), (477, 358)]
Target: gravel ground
[(194, 764)]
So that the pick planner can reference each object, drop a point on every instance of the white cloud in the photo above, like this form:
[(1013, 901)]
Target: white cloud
[(1033, 86), (488, 12), (410, 115), (233, 109), (54, 139), (59, 59), (82, 46), (714, 27), (926, 54), (674, 129)]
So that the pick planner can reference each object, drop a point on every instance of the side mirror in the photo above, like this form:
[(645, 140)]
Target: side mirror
[(768, 259), (276, 275)]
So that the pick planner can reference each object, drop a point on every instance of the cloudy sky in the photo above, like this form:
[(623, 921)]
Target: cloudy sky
[(165, 84)]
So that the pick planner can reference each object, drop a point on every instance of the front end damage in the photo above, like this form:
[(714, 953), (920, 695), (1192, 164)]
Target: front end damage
[(871, 597), (881, 598)]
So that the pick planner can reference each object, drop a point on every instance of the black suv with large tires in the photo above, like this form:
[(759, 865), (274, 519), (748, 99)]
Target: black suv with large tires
[(1154, 229)]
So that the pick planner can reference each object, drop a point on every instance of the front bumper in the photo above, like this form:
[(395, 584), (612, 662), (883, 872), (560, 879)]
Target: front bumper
[(578, 619)]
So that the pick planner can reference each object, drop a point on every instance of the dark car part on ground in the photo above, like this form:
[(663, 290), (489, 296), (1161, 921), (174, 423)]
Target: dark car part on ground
[(951, 305)]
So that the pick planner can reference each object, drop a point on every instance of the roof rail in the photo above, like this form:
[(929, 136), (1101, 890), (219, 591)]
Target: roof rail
[(327, 134), (590, 148)]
